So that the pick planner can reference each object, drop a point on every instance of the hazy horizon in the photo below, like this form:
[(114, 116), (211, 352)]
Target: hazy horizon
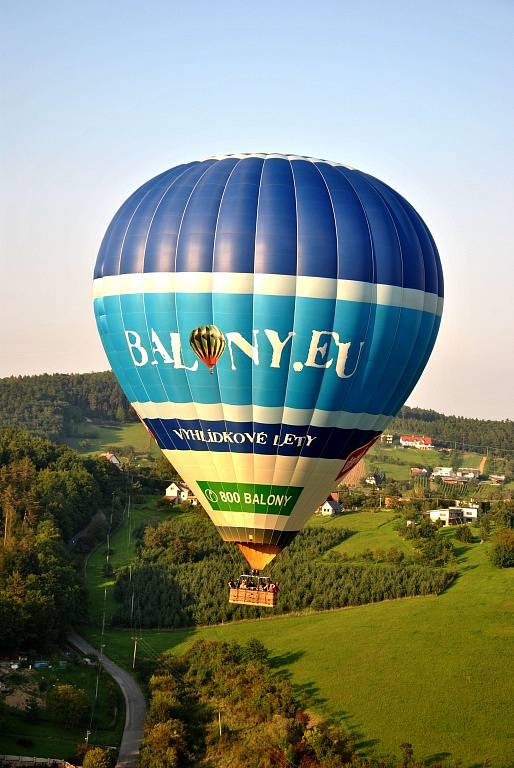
[(98, 99)]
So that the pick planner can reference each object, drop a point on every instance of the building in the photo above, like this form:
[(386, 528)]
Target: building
[(450, 516), (418, 472), (112, 458), (371, 480), (415, 441), (467, 473), (330, 508), (442, 472), (470, 514), (177, 493), (497, 479), (386, 439)]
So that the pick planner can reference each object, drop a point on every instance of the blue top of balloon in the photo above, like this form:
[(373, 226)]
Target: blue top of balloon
[(272, 214)]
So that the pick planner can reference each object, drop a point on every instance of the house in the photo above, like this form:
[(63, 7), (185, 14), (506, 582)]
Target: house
[(497, 479), (470, 514), (442, 472), (330, 508), (386, 439), (467, 473), (454, 480), (418, 472), (451, 516), (112, 458), (177, 493), (415, 441)]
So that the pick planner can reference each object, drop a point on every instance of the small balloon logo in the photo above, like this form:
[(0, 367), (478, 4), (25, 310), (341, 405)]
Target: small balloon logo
[(208, 344)]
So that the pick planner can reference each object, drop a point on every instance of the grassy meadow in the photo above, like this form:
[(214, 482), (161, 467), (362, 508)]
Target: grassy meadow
[(99, 437), (429, 670)]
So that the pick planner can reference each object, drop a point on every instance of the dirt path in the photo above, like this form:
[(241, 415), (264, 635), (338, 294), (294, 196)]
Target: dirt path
[(481, 466)]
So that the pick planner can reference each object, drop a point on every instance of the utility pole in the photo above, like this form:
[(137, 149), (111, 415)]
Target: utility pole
[(135, 639), (219, 721), (88, 733)]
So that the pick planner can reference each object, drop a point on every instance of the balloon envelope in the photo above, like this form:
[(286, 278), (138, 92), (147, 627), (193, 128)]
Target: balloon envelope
[(325, 285)]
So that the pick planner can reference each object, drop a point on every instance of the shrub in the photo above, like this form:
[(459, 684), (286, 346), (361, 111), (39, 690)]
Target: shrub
[(463, 533), (502, 552), (96, 757)]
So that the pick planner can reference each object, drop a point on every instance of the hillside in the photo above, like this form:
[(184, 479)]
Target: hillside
[(58, 406), (427, 670), (62, 406)]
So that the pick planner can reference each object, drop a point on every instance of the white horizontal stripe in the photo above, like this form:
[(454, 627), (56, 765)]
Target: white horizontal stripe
[(248, 520), (277, 155), (262, 415), (268, 285)]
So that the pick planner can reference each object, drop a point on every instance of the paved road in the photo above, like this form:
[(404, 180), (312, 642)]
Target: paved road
[(135, 704)]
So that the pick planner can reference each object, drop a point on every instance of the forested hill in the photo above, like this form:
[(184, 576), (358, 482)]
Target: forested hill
[(458, 431), (56, 405)]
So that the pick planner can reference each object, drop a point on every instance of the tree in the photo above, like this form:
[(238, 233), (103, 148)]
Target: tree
[(67, 704), (463, 533), (502, 552), (164, 746), (96, 757)]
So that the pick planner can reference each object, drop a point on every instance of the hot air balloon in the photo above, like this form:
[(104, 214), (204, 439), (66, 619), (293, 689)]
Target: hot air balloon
[(208, 344), (325, 287)]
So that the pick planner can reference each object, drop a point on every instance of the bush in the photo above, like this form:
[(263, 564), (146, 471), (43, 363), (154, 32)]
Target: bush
[(463, 533), (96, 757), (502, 552)]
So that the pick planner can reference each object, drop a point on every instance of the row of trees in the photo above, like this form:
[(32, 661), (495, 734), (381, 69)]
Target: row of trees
[(221, 704), (47, 494), (182, 568)]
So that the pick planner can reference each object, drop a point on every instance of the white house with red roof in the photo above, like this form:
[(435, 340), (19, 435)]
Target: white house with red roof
[(415, 441)]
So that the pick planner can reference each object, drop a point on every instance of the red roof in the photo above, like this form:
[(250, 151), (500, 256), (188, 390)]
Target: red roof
[(417, 439)]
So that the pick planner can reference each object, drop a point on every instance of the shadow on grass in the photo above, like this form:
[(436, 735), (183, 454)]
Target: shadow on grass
[(308, 693), (284, 659), (364, 746), (436, 758)]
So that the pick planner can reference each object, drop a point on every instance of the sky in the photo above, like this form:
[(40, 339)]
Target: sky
[(97, 98)]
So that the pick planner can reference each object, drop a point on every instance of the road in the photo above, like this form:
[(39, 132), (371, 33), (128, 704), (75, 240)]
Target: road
[(135, 704)]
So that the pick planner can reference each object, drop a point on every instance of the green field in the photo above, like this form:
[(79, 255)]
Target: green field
[(50, 739), (122, 545), (430, 670), (99, 437), (369, 530)]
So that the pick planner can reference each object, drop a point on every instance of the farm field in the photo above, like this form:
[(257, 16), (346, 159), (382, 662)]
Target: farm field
[(394, 671)]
